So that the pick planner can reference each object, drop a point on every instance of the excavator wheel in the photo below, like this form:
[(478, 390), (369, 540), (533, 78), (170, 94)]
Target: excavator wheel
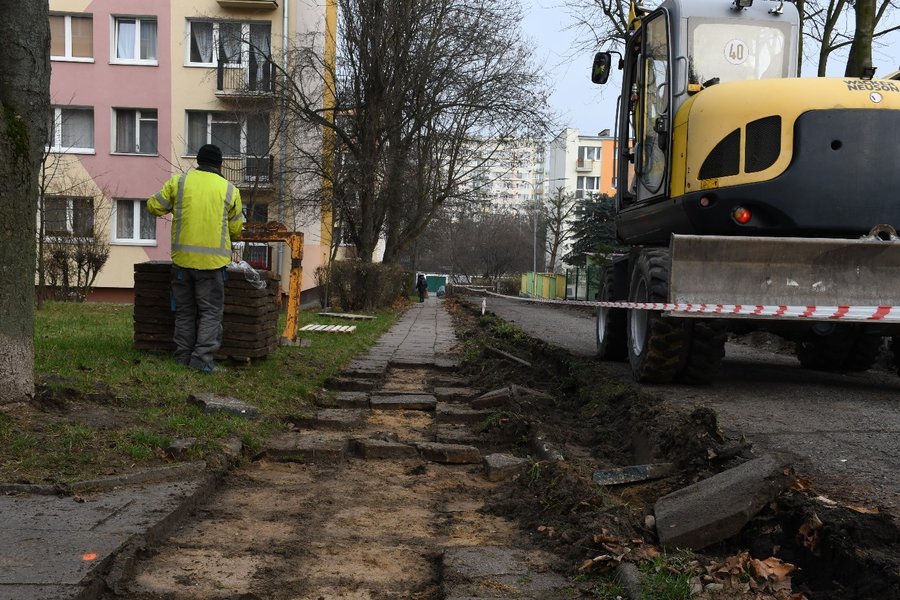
[(824, 350), (612, 340), (895, 347), (657, 346), (707, 350), (864, 351)]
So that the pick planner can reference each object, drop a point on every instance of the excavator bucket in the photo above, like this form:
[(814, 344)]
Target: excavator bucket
[(785, 271)]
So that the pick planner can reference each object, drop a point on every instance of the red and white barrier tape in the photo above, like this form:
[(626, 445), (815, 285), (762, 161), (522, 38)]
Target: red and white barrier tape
[(884, 314)]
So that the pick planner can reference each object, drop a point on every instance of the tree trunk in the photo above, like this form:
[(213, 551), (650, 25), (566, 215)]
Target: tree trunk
[(24, 108), (861, 50)]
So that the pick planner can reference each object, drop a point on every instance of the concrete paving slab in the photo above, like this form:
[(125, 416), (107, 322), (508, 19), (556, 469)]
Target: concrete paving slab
[(455, 454), (39, 592), (458, 413), (52, 547), (717, 508), (376, 449), (403, 402), (500, 573), (500, 467), (633, 473), (365, 368), (212, 403), (307, 447), (336, 419), (454, 393), (494, 398), (351, 400), (351, 384)]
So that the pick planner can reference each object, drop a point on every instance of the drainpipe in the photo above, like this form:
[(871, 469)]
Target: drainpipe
[(282, 150)]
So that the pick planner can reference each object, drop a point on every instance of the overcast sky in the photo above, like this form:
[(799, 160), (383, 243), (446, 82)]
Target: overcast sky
[(591, 108)]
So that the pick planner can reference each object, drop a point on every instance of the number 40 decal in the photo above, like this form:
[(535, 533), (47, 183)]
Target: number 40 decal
[(736, 52)]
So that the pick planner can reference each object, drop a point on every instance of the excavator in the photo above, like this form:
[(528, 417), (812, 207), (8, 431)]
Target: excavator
[(741, 184)]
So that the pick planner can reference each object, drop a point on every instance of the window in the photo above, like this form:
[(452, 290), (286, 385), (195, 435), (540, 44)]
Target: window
[(230, 42), (136, 131), (129, 213), (585, 186), (235, 136), (71, 129), (72, 37), (68, 217), (588, 153), (135, 40)]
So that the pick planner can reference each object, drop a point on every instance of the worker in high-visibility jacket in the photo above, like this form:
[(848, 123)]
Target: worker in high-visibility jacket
[(206, 214)]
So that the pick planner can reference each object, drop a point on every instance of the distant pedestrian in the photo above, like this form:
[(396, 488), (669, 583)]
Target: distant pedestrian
[(206, 215), (421, 287)]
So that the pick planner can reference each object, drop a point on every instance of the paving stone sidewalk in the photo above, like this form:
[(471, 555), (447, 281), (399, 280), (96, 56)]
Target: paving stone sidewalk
[(62, 547), (72, 547)]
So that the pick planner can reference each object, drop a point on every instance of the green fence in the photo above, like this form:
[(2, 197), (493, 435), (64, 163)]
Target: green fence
[(543, 285)]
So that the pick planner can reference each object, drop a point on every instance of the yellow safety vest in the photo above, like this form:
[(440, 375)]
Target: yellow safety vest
[(206, 213)]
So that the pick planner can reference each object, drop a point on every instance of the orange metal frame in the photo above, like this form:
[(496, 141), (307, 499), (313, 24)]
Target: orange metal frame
[(276, 232)]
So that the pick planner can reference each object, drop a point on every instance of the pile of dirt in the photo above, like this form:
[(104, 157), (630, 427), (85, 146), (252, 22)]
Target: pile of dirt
[(599, 422)]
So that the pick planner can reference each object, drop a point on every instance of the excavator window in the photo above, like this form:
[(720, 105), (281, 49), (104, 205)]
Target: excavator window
[(654, 105), (737, 51)]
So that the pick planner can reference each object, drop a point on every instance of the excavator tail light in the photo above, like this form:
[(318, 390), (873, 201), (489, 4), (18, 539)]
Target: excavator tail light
[(741, 215)]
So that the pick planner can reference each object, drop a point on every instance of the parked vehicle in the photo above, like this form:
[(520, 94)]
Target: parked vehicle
[(743, 185)]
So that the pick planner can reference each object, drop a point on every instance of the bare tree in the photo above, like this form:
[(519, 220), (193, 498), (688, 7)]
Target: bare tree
[(599, 23), (826, 24), (24, 105), (424, 92), (71, 213), (558, 210)]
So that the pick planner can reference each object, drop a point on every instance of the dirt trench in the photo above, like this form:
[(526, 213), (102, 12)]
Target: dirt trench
[(377, 529)]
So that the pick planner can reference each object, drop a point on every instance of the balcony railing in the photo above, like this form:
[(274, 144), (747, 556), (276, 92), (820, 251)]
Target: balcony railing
[(584, 164), (242, 81), (250, 171), (253, 4)]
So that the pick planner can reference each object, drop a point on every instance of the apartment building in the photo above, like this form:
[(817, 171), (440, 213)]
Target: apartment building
[(137, 87), (581, 164), (513, 178)]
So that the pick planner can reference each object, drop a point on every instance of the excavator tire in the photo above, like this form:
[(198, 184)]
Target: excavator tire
[(705, 355), (864, 351), (895, 347), (612, 339), (657, 346), (824, 352)]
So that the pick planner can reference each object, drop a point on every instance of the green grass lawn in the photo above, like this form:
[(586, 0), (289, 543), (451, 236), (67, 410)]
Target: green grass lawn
[(107, 408)]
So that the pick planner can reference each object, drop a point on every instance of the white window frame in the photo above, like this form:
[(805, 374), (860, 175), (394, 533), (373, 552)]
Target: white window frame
[(68, 41), (114, 37), (245, 47), (581, 189), (135, 239), (241, 122), (56, 142), (245, 32), (137, 134)]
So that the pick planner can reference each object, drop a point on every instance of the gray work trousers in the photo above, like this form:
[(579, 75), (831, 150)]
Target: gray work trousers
[(199, 297)]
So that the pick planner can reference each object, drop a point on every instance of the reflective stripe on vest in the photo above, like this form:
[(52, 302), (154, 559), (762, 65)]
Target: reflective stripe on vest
[(165, 204)]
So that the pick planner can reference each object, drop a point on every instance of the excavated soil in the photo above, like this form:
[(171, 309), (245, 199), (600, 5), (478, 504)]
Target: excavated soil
[(375, 529)]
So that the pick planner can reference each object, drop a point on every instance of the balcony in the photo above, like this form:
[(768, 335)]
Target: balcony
[(252, 4), (584, 165), (240, 81), (250, 172)]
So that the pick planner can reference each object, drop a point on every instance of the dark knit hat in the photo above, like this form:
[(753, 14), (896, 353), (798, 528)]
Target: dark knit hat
[(209, 154)]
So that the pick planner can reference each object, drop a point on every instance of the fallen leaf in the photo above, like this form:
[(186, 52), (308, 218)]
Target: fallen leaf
[(863, 510), (771, 569)]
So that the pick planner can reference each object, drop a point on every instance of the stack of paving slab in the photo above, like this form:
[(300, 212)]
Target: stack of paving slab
[(250, 321)]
